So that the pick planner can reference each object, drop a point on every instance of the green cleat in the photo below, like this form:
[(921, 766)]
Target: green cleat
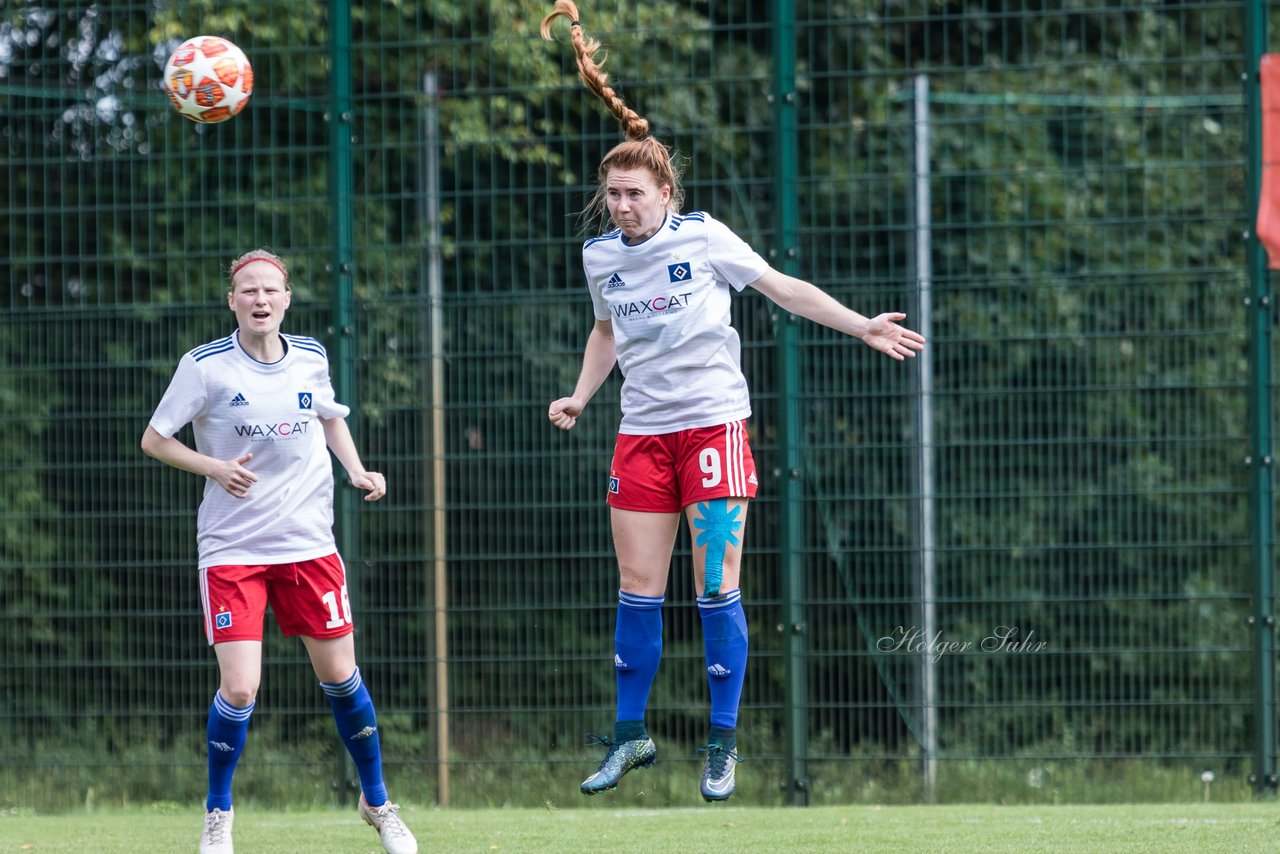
[(717, 774), (621, 758)]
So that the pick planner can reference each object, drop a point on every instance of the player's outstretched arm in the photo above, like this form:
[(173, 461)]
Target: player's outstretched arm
[(881, 332)]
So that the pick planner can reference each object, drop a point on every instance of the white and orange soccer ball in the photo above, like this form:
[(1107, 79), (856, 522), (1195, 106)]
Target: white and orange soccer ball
[(208, 79)]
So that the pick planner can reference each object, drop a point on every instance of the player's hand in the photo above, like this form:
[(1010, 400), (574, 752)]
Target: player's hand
[(232, 476), (565, 411), (372, 482), (884, 334)]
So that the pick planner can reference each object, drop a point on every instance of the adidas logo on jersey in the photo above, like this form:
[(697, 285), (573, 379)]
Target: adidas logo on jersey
[(619, 663), (239, 400), (615, 281), (718, 670)]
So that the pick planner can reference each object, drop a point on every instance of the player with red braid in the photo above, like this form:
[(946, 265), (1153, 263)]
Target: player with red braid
[(661, 283)]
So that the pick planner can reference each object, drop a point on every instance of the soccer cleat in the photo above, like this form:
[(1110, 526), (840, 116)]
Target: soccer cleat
[(216, 836), (621, 758), (717, 774), (396, 838)]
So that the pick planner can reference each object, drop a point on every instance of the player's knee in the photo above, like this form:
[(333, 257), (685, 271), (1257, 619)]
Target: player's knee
[(238, 695), (640, 581)]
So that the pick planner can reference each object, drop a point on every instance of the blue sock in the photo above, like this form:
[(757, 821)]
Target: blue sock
[(358, 726), (226, 732), (637, 649), (724, 637)]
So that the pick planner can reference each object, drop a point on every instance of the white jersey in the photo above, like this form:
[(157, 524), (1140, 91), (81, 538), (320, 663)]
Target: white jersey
[(668, 298), (238, 405)]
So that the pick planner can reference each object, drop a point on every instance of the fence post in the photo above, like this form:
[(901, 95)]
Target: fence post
[(1259, 459), (925, 538), (432, 290), (342, 274), (791, 474)]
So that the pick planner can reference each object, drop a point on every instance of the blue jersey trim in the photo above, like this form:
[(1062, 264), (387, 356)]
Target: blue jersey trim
[(213, 348), (613, 235), (696, 216), (302, 342)]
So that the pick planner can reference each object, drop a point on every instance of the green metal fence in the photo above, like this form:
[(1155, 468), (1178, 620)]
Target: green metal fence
[(1025, 568)]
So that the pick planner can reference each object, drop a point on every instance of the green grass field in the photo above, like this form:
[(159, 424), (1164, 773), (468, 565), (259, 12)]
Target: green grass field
[(1199, 828)]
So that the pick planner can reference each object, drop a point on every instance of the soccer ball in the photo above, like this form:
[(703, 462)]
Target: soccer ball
[(208, 79)]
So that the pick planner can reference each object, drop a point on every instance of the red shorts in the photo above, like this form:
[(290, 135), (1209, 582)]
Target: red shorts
[(308, 598), (666, 473)]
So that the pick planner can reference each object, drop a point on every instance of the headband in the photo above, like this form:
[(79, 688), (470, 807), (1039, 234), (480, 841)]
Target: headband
[(237, 268)]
